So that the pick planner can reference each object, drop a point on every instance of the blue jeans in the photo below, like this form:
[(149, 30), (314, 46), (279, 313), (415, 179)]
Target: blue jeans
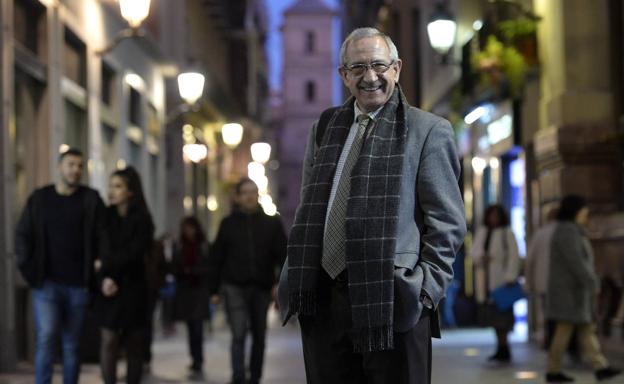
[(59, 311)]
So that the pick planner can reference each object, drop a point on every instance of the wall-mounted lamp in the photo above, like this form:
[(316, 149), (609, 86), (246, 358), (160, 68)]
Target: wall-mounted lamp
[(134, 12), (255, 170), (190, 86), (441, 30), (232, 134), (195, 152), (478, 165), (261, 152)]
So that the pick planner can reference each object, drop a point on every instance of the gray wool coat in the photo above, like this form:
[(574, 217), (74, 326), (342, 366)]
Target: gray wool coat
[(431, 224), (572, 282)]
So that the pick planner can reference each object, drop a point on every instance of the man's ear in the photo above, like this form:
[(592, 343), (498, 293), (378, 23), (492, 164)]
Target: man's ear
[(343, 75), (399, 65)]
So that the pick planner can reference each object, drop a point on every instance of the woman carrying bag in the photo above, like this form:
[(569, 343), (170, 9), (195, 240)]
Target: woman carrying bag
[(495, 255)]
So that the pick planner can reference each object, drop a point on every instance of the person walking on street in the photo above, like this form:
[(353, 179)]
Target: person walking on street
[(191, 300), (249, 250), (378, 226), (121, 304), (59, 234), (495, 254), (536, 270), (572, 289)]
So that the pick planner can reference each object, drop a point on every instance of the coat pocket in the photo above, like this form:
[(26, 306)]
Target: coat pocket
[(406, 259)]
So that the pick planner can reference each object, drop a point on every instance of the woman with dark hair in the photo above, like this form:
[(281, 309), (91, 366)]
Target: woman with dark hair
[(121, 304), (495, 255), (572, 287), (191, 304)]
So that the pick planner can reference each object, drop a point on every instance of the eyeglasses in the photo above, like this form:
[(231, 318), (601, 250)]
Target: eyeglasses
[(358, 70)]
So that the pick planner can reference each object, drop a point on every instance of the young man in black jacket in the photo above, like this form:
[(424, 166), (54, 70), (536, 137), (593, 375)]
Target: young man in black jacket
[(248, 252), (59, 235)]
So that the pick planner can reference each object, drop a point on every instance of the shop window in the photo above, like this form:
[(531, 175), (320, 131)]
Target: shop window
[(75, 59), (76, 127), (135, 155), (153, 123), (30, 25), (109, 148), (24, 133), (108, 84), (134, 107), (155, 180)]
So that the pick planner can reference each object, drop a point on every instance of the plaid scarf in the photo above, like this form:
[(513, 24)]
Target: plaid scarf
[(371, 223)]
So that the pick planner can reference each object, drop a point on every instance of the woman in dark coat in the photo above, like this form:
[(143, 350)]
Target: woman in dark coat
[(572, 286), (191, 304), (121, 303)]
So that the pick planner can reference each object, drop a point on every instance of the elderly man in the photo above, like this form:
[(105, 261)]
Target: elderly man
[(377, 229)]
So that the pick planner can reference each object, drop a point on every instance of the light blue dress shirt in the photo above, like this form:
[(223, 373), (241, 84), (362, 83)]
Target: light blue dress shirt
[(345, 152)]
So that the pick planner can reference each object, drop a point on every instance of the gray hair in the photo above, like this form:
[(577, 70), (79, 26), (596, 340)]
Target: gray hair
[(361, 33)]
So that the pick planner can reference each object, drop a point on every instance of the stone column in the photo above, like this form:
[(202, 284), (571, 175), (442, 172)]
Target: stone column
[(577, 144), (7, 275)]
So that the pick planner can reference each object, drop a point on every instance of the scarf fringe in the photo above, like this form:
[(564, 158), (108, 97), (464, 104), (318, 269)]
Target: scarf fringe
[(373, 339), (303, 303)]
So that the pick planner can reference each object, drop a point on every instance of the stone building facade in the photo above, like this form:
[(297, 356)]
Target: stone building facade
[(308, 89)]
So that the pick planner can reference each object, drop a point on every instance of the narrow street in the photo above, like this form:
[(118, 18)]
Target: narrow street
[(460, 357)]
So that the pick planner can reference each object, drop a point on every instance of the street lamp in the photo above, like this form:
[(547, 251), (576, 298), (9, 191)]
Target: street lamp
[(260, 152), (232, 134), (478, 165), (195, 152), (134, 12), (190, 86), (255, 170), (263, 185), (441, 30)]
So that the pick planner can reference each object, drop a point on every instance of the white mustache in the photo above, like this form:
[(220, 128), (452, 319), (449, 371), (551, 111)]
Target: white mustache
[(371, 85)]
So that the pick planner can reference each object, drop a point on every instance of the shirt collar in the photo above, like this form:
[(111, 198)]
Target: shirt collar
[(357, 112)]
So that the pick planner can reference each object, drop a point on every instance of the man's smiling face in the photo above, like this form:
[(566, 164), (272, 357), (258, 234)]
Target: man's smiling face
[(372, 89)]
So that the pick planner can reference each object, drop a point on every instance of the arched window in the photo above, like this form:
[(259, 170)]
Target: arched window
[(310, 42), (310, 90)]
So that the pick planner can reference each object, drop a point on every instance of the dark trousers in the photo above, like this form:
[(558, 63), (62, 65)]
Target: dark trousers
[(195, 332), (328, 347), (246, 308), (111, 343), (152, 300)]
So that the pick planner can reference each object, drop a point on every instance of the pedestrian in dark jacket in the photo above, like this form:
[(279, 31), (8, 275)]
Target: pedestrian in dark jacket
[(122, 301), (572, 287), (249, 250), (191, 303), (60, 233)]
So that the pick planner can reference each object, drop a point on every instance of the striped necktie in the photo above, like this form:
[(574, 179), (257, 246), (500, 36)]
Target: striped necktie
[(333, 260)]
